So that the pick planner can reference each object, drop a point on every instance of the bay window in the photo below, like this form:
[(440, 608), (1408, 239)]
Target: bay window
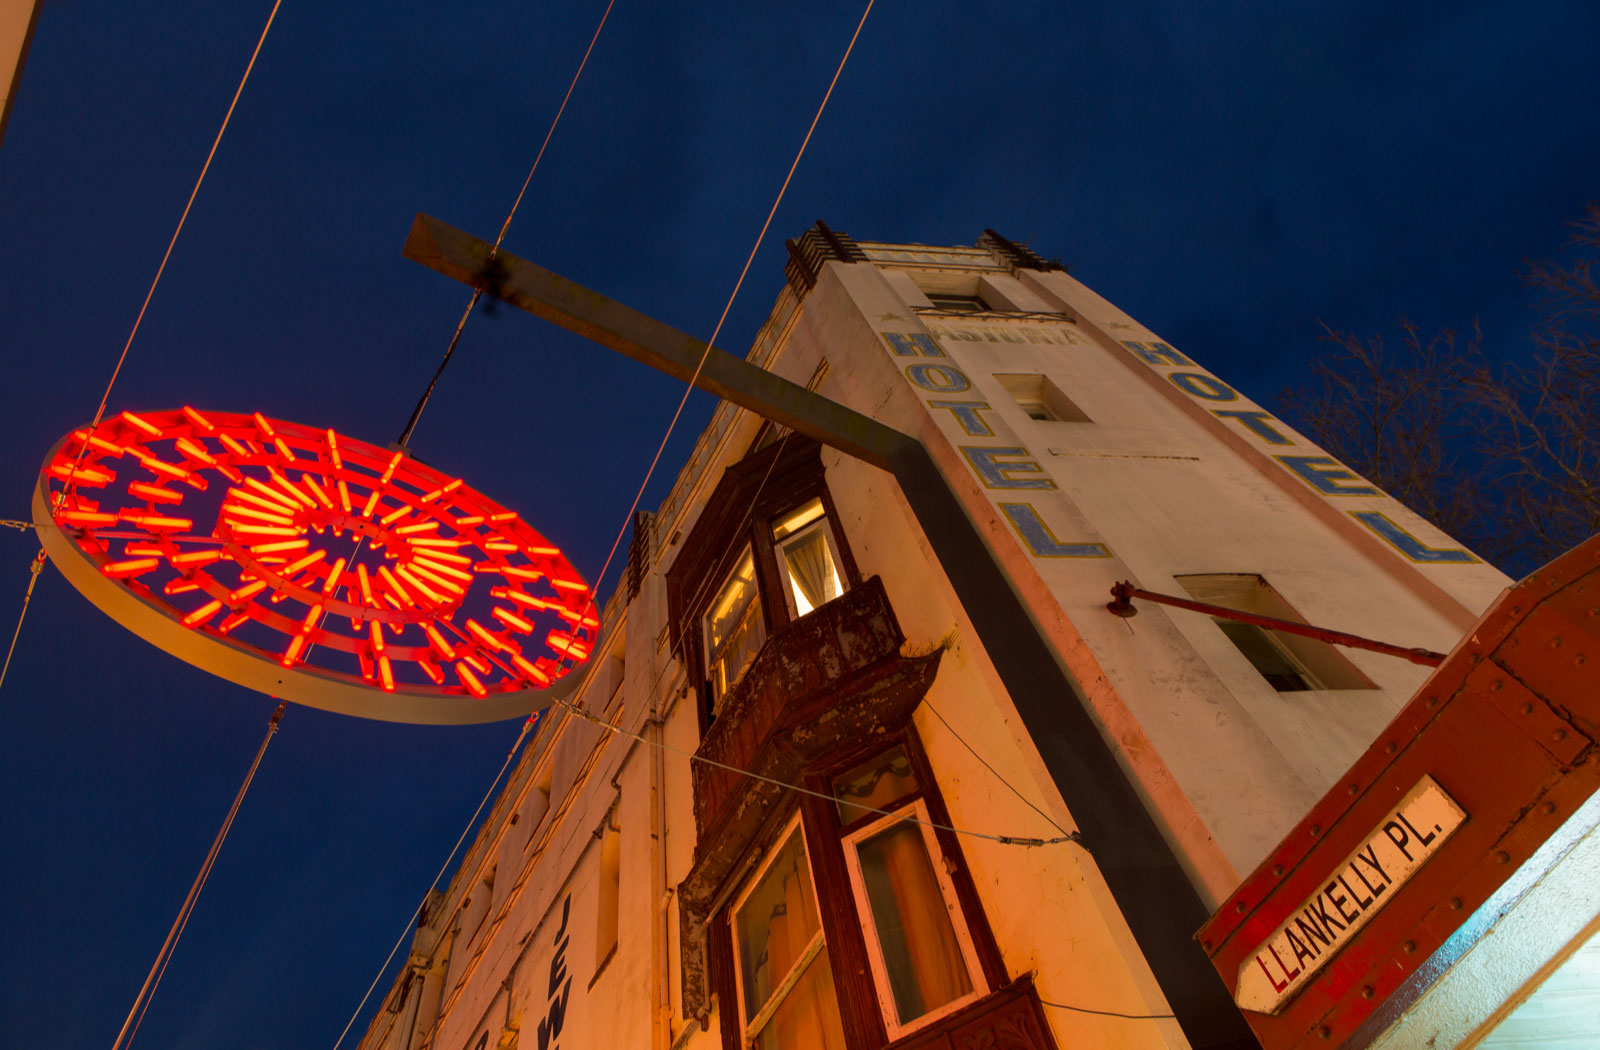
[(764, 553), (861, 927)]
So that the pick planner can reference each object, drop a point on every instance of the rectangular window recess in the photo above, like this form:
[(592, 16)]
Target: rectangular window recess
[(1040, 398), (964, 304), (1289, 663), (609, 895)]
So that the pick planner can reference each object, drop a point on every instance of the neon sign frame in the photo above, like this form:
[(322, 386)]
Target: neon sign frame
[(262, 599)]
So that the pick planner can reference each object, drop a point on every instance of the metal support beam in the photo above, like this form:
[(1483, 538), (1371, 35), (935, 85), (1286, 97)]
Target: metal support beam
[(1146, 878), (1121, 604)]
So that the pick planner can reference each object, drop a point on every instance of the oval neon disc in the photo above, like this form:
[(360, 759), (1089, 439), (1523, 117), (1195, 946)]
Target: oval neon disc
[(314, 567)]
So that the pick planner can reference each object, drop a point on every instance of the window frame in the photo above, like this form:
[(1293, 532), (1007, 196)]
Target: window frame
[(830, 537), (914, 810), (958, 303), (864, 1016), (709, 657), (749, 1030)]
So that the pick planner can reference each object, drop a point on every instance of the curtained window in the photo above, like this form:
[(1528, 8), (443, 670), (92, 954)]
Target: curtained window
[(923, 962), (898, 945), (785, 981), (806, 559), (734, 629)]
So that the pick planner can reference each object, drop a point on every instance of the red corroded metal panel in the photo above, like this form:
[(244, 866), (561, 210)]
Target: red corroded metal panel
[(1505, 728)]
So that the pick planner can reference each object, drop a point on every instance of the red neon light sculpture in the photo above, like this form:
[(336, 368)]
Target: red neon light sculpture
[(314, 567)]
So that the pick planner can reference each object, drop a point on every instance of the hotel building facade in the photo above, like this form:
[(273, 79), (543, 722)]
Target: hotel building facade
[(794, 804)]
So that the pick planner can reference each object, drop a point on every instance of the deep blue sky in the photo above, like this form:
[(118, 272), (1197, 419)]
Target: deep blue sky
[(1227, 173)]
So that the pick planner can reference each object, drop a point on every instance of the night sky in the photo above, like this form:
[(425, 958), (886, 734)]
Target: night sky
[(1229, 174)]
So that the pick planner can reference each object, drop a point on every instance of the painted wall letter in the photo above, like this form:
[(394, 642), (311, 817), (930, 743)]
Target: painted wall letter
[(942, 378), (1407, 544), (1328, 476), (966, 413), (1038, 538), (1207, 388), (912, 344), (997, 475), (1255, 421), (1157, 353)]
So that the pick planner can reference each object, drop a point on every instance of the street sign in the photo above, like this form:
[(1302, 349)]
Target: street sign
[(1369, 878)]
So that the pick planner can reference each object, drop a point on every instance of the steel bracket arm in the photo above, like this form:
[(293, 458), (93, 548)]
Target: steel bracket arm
[(570, 305)]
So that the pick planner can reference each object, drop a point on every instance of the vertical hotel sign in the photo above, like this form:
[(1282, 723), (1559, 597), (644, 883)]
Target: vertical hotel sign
[(1325, 475), (1331, 917), (999, 462)]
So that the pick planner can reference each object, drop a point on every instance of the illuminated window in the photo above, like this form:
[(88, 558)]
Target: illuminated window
[(734, 628), (1288, 662), (785, 981), (764, 553), (806, 560)]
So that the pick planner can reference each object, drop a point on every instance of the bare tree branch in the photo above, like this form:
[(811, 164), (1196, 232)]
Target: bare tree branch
[(1505, 459)]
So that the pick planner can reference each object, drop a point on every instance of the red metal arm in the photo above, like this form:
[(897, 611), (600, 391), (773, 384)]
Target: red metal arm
[(1122, 605)]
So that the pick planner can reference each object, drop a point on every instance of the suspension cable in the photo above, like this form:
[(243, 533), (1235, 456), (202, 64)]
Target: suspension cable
[(532, 720), (477, 293), (147, 991), (27, 596), (715, 332), (100, 411)]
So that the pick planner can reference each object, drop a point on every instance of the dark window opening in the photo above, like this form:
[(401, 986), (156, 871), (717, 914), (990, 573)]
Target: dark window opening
[(1288, 662), (1041, 399), (964, 304)]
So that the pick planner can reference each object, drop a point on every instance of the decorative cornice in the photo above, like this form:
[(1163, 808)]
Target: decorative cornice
[(815, 247), (1017, 256)]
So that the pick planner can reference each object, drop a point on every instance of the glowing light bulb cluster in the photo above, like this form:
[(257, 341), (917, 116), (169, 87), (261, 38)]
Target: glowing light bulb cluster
[(320, 553)]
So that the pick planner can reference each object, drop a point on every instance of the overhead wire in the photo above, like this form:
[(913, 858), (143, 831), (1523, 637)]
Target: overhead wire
[(1109, 1013), (153, 979), (1065, 836), (997, 774), (405, 437), (105, 397), (158, 968), (477, 293), (34, 568), (677, 653), (531, 721), (1008, 840), (728, 307)]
